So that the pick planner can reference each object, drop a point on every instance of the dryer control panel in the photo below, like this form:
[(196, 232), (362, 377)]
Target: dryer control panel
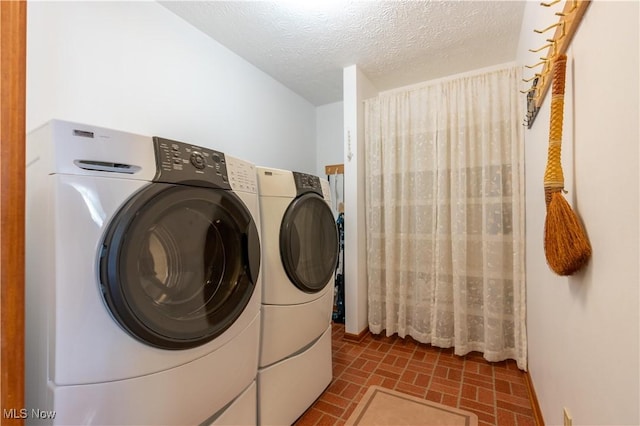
[(179, 162), (307, 183)]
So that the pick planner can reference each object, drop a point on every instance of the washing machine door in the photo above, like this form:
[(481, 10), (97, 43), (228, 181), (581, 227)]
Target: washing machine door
[(309, 243), (179, 264)]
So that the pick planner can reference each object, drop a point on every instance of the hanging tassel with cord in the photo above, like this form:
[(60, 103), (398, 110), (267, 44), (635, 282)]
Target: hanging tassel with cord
[(566, 244)]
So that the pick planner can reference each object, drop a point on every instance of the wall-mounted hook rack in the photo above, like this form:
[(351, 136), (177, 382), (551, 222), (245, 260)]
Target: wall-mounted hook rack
[(334, 169), (570, 19), (566, 27)]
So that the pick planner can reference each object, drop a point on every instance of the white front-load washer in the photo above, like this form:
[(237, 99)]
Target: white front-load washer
[(142, 281), (300, 252)]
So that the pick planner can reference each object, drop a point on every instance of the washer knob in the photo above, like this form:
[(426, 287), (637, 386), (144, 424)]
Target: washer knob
[(197, 160)]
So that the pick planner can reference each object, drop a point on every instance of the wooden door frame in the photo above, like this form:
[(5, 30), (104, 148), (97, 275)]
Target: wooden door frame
[(13, 23)]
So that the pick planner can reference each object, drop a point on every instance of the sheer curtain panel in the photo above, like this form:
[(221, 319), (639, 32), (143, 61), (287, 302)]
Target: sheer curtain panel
[(445, 214)]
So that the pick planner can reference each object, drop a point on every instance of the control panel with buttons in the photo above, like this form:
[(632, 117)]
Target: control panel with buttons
[(242, 175), (307, 183), (179, 162)]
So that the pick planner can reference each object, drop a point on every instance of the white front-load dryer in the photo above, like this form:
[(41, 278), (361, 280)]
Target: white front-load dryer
[(142, 281), (300, 252)]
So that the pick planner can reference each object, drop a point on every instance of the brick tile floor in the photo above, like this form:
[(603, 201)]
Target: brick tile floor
[(496, 392)]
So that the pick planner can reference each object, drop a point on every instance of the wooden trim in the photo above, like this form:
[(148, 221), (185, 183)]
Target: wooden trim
[(356, 337), (334, 169), (13, 36), (537, 412)]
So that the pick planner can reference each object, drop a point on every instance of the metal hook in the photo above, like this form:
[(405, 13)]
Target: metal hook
[(536, 65), (549, 27), (550, 3), (561, 35), (540, 85), (536, 75), (568, 12), (530, 90), (551, 44), (541, 48)]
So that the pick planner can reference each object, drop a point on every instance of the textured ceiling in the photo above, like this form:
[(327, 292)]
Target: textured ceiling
[(395, 43)]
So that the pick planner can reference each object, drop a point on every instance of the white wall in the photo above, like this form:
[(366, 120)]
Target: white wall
[(329, 136), (330, 149), (135, 66), (583, 330), (357, 88)]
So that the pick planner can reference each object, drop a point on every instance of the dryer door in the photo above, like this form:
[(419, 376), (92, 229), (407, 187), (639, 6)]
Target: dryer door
[(309, 243), (179, 264)]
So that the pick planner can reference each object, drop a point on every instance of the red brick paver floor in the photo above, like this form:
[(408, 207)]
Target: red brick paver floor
[(496, 392)]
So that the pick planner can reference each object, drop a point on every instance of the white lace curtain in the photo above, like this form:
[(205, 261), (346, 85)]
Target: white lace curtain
[(445, 215)]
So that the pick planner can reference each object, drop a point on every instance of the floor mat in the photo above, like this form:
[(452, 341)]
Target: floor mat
[(381, 406)]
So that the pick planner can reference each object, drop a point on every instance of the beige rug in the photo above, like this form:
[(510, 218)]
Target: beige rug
[(380, 406)]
